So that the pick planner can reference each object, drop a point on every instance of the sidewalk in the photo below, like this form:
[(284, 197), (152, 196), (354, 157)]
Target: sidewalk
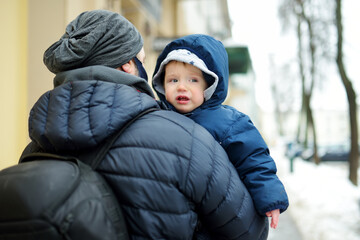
[(286, 229)]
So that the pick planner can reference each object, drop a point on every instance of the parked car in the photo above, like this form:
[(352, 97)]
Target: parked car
[(327, 153), (335, 152)]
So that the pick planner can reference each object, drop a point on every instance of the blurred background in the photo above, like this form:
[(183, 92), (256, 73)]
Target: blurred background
[(294, 68)]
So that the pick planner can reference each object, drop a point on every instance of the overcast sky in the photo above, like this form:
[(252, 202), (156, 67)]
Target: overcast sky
[(256, 24)]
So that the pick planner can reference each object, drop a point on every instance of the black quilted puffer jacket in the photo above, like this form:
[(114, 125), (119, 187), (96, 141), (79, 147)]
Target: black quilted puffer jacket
[(167, 172)]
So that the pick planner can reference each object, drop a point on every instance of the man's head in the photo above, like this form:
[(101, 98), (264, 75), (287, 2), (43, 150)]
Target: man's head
[(98, 37)]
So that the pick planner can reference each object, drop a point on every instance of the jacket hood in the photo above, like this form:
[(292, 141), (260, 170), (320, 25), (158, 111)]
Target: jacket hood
[(213, 54), (88, 106)]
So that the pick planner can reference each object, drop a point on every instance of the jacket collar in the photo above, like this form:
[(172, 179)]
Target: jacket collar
[(105, 74)]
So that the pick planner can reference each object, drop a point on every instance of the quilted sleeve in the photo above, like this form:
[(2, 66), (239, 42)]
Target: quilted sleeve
[(224, 205), (250, 155)]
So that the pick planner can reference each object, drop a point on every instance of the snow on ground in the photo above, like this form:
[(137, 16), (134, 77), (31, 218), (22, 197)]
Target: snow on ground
[(323, 202)]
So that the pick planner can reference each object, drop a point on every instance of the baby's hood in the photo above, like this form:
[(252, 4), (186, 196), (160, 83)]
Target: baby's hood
[(206, 53)]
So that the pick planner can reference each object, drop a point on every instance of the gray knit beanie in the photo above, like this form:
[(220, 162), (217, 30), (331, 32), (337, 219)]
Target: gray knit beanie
[(98, 37)]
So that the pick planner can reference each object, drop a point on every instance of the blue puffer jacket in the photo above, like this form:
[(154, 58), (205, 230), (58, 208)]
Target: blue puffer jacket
[(166, 171), (232, 129)]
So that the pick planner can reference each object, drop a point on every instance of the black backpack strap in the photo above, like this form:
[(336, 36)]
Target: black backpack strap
[(93, 158), (45, 156)]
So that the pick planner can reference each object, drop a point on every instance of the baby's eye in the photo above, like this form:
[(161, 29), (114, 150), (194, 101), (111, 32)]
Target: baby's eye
[(172, 80), (193, 80)]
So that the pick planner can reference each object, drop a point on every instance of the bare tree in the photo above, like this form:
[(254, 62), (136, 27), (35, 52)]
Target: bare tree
[(276, 94), (312, 19), (307, 92), (307, 61), (302, 76), (351, 96), (283, 92)]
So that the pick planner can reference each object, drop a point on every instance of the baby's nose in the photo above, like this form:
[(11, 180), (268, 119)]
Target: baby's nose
[(181, 86)]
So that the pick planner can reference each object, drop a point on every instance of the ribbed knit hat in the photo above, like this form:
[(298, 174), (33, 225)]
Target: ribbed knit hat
[(98, 37)]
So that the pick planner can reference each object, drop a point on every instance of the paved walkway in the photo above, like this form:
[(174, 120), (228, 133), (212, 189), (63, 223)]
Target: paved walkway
[(286, 229)]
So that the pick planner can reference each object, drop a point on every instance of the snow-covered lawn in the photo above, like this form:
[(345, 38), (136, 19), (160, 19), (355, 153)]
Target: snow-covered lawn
[(323, 202)]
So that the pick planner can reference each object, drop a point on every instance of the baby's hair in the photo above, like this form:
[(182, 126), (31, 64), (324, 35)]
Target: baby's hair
[(206, 76)]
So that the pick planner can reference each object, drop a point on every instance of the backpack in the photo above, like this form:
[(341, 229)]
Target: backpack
[(51, 196)]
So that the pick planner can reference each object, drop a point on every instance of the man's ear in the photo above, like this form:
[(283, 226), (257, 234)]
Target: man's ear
[(125, 67)]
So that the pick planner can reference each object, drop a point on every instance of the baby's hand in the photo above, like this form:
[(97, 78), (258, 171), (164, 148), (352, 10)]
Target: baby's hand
[(274, 214)]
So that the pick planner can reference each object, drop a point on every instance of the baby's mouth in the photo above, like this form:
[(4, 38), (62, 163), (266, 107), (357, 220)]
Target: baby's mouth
[(182, 99)]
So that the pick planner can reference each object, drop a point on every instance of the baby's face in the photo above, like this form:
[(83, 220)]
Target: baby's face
[(184, 86)]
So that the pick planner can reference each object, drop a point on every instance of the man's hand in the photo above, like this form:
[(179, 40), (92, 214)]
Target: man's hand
[(274, 214)]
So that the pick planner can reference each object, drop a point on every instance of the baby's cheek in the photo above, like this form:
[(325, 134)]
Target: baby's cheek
[(168, 96)]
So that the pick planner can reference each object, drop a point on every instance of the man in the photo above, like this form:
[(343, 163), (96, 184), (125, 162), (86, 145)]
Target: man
[(167, 172)]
